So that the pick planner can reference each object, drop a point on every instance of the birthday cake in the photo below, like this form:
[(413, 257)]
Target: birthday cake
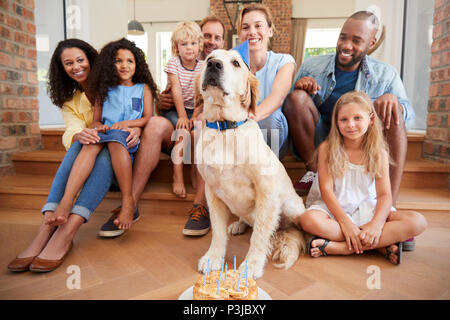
[(217, 286)]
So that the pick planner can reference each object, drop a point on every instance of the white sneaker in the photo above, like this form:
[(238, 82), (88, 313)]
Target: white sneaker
[(304, 184)]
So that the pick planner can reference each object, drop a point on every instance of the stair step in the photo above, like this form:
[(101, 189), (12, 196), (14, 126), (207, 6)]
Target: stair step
[(417, 172), (22, 191), (52, 139), (424, 199)]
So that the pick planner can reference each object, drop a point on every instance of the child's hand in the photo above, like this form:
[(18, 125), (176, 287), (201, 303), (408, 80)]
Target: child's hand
[(192, 121), (103, 128), (371, 233), (184, 123), (120, 125), (351, 233)]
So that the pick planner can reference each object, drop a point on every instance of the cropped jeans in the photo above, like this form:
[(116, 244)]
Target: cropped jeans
[(94, 189)]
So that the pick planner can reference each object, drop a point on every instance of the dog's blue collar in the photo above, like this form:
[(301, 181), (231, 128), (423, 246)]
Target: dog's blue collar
[(224, 125)]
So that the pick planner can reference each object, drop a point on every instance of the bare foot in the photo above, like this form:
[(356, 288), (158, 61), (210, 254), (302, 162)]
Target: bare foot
[(179, 189), (393, 256), (332, 248), (315, 251), (178, 181), (125, 217), (60, 215), (194, 176)]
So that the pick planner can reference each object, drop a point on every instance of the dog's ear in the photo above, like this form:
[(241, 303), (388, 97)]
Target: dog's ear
[(251, 95), (198, 98), (254, 92)]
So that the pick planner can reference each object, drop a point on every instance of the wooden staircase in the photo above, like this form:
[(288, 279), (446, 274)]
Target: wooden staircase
[(423, 188)]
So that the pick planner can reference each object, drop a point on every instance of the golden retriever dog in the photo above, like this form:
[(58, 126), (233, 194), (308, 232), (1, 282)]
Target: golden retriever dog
[(242, 175)]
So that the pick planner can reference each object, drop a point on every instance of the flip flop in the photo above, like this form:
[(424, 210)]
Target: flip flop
[(321, 248), (399, 253)]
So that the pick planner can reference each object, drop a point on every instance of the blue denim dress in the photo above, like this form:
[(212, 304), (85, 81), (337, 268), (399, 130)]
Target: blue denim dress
[(122, 103)]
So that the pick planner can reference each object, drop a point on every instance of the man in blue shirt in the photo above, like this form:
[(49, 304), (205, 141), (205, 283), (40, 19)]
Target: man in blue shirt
[(322, 80)]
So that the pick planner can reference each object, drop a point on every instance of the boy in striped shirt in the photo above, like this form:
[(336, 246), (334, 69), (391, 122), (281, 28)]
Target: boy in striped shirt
[(182, 69)]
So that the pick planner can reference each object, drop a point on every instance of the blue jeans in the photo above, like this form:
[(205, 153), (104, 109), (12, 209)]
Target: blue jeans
[(172, 115), (276, 126), (94, 189), (321, 133)]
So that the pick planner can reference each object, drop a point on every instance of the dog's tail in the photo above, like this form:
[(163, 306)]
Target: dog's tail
[(287, 246)]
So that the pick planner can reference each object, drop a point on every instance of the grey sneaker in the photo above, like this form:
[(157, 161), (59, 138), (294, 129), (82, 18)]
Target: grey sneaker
[(198, 223), (110, 230)]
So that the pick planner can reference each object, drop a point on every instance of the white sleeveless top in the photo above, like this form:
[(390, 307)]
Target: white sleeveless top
[(355, 192)]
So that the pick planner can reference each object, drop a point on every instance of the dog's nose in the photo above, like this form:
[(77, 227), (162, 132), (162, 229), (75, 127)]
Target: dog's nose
[(215, 64)]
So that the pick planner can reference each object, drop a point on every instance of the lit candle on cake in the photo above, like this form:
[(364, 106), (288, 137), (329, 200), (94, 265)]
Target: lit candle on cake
[(239, 280), (226, 267), (218, 285), (246, 277)]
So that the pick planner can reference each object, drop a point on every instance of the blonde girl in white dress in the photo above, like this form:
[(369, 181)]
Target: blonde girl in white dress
[(349, 207)]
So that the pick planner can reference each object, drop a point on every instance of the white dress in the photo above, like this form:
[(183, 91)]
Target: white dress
[(355, 192)]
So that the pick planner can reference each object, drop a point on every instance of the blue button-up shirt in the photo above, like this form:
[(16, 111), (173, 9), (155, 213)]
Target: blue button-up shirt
[(374, 78)]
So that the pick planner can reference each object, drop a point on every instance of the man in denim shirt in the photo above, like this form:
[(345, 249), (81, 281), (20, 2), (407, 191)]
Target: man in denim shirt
[(322, 80)]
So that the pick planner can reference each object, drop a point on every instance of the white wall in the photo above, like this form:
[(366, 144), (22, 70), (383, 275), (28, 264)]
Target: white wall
[(168, 10), (101, 21), (322, 8)]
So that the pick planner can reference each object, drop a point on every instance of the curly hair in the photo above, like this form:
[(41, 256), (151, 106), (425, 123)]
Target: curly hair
[(61, 87), (104, 74)]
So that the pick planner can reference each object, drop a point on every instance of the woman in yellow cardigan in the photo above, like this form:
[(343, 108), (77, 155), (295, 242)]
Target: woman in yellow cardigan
[(69, 69)]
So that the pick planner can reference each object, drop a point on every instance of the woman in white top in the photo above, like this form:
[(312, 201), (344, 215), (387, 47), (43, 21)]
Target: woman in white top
[(273, 70)]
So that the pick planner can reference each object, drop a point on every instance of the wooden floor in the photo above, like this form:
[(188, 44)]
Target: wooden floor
[(155, 261)]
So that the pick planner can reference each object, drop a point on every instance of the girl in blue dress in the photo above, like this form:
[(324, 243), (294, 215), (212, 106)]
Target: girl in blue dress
[(123, 90)]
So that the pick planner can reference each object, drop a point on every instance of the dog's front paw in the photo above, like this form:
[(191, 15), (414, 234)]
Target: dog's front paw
[(215, 263), (237, 227), (255, 268)]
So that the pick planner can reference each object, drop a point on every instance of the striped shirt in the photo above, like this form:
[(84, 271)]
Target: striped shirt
[(186, 78)]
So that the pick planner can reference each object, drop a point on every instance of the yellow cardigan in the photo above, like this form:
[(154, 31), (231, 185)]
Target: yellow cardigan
[(78, 114)]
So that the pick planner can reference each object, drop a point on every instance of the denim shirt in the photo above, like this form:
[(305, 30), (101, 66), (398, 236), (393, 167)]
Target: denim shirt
[(374, 78)]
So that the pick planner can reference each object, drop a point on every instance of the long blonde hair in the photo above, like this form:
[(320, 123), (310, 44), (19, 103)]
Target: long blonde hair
[(372, 145)]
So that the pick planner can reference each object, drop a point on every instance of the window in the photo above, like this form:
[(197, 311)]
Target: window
[(164, 53), (320, 41), (49, 31), (141, 42)]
